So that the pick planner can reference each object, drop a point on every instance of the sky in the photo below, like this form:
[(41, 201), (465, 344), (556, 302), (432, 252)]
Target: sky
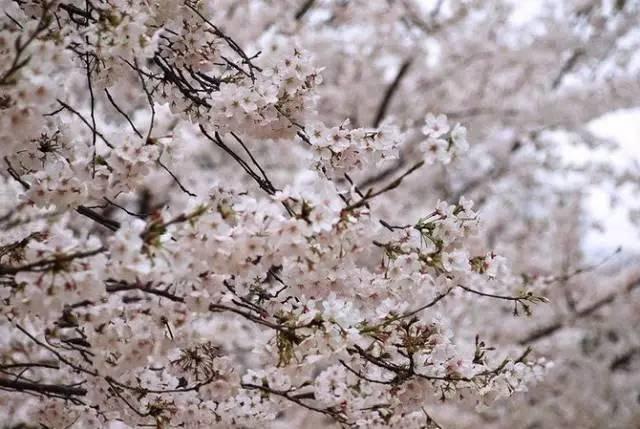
[(624, 128)]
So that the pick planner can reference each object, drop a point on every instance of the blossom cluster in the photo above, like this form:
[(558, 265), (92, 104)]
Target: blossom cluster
[(442, 141), (340, 149), (201, 227)]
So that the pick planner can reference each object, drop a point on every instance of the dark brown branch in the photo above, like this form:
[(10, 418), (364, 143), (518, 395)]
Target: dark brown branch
[(58, 355), (587, 311), (45, 389), (113, 287), (74, 11), (50, 365), (97, 217), (623, 360), (364, 377), (14, 174), (424, 307), (127, 211), (175, 179), (384, 174), (582, 270), (261, 179), (304, 9), (47, 264), (230, 42), (389, 93), (83, 119), (372, 194), (140, 389), (92, 102), (149, 100), (374, 328), (19, 62), (296, 399), (491, 295), (253, 160), (541, 333), (567, 67), (113, 103)]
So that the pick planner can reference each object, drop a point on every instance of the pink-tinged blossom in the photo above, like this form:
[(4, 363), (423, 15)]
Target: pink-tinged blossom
[(310, 214)]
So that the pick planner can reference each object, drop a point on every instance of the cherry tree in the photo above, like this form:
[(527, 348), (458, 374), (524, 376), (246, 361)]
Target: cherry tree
[(301, 213)]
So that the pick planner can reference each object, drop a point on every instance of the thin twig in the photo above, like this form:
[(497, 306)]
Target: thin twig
[(372, 194), (122, 113), (175, 179)]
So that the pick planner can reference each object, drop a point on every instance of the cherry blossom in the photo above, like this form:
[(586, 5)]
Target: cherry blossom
[(303, 213)]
